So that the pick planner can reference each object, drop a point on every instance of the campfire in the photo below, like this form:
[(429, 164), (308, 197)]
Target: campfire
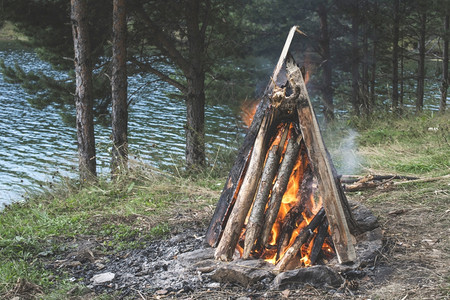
[(283, 202)]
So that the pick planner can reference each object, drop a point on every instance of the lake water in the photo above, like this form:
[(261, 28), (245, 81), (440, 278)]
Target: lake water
[(37, 147)]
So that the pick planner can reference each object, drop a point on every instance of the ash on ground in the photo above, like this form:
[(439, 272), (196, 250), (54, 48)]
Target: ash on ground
[(184, 267)]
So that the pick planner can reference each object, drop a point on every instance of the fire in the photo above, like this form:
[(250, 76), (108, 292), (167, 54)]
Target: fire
[(291, 198), (310, 204), (307, 77), (248, 110)]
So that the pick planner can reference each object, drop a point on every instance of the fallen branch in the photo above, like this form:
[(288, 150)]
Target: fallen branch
[(370, 177), (365, 185)]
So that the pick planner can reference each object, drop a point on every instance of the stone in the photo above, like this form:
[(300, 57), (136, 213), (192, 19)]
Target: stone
[(317, 276), (243, 272), (369, 246), (196, 255), (206, 266), (103, 278), (213, 285), (363, 216)]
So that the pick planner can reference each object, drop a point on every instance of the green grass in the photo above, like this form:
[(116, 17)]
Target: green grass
[(415, 145), (123, 214)]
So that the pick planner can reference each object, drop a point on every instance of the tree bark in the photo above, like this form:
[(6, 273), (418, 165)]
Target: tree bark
[(445, 81), (374, 58), (364, 90), (395, 51), (83, 90), (324, 43), (356, 103), (195, 98), (421, 63), (119, 113)]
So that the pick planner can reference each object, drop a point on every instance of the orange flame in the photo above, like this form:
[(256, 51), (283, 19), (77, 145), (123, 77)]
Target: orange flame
[(307, 77), (248, 110)]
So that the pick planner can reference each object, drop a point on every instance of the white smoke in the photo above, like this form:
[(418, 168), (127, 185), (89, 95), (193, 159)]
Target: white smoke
[(344, 153)]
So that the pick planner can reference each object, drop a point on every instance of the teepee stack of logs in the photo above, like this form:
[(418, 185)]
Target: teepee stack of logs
[(283, 151)]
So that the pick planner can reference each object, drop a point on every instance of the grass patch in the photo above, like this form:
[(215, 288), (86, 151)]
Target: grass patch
[(126, 214), (414, 145)]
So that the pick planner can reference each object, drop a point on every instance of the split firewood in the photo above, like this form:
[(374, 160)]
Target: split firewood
[(256, 218), (294, 216), (236, 175), (244, 200), (237, 172), (303, 236), (318, 242), (338, 211), (280, 186)]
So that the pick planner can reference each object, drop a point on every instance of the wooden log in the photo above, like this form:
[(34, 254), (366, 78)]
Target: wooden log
[(318, 242), (244, 200), (279, 187), (348, 179), (334, 200), (235, 177), (230, 189), (256, 218), (303, 236), (294, 217)]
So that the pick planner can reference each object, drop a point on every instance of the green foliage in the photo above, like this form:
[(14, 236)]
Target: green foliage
[(47, 28)]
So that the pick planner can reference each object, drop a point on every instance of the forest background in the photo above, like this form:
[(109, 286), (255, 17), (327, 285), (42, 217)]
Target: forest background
[(366, 59)]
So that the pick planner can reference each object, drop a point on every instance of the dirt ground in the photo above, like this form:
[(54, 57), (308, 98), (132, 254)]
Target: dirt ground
[(414, 263), (415, 219)]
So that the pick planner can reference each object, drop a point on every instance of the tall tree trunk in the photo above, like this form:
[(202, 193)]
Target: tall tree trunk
[(355, 59), (421, 63), (195, 98), (324, 43), (395, 51), (374, 58), (119, 114), (365, 63), (444, 87), (402, 72), (83, 91)]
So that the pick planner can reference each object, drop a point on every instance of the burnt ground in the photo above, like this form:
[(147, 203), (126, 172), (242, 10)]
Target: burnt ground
[(413, 263)]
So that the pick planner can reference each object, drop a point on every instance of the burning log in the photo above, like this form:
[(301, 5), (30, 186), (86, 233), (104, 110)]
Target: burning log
[(244, 200), (237, 172), (256, 219), (318, 242), (254, 224), (286, 204), (231, 188), (299, 241), (335, 203), (286, 167), (295, 217)]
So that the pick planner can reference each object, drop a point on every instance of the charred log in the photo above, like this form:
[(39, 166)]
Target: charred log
[(299, 241), (280, 187)]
